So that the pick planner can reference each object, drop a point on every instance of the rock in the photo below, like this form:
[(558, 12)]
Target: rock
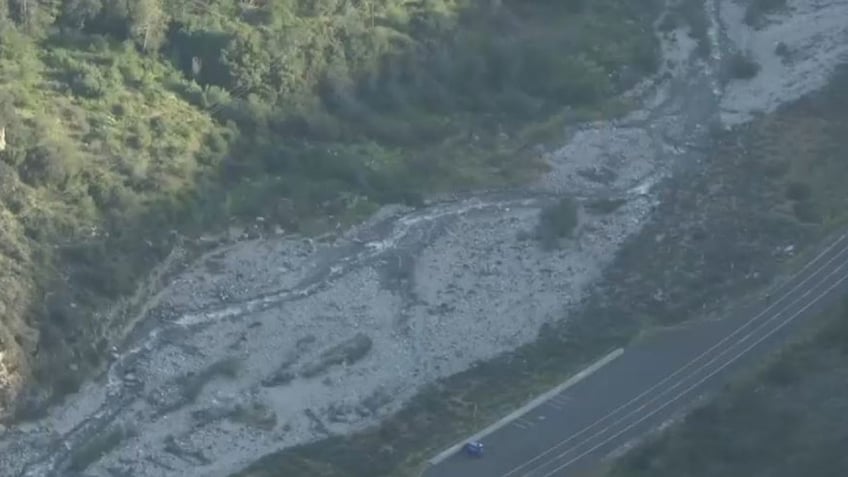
[(346, 352), (280, 378), (211, 414)]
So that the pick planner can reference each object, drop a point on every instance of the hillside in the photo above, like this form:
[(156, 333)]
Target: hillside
[(787, 416), (132, 127), (786, 419)]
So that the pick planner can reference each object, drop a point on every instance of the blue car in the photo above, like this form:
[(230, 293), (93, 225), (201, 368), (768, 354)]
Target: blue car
[(474, 449)]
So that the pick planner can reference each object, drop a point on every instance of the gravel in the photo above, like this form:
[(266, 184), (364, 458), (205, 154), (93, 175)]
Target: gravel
[(431, 291)]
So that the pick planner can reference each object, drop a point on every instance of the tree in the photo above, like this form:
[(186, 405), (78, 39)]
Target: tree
[(44, 165), (558, 221), (248, 61), (148, 24), (7, 109), (78, 12), (35, 15)]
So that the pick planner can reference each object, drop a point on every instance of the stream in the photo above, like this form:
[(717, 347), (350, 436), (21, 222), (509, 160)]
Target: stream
[(282, 341)]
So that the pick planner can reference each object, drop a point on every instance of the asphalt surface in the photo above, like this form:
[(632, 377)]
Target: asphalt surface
[(654, 380)]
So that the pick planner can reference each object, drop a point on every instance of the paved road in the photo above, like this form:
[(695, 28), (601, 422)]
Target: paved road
[(652, 381)]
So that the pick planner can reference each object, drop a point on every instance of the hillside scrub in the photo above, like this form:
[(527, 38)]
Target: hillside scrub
[(131, 124), (756, 10), (558, 221), (742, 66), (786, 420)]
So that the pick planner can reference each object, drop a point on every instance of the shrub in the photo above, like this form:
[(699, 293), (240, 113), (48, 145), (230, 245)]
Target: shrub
[(743, 66), (669, 22), (44, 166), (806, 212), (798, 191), (558, 221), (782, 50), (693, 14), (757, 9), (88, 81)]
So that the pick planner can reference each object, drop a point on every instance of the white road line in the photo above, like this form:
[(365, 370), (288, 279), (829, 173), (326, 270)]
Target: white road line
[(739, 329), (538, 401), (524, 423), (560, 403), (702, 380), (562, 400), (683, 379)]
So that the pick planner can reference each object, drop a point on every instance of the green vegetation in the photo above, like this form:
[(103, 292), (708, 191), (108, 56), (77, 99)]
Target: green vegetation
[(757, 10), (558, 221), (130, 125), (788, 419), (692, 15), (782, 50), (742, 65)]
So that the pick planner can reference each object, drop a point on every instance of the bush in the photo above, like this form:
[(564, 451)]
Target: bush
[(88, 81), (757, 9), (669, 22), (558, 221), (693, 14), (44, 165), (798, 191), (782, 50), (807, 212), (743, 66)]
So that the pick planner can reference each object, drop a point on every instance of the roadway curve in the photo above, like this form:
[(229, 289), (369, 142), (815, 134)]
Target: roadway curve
[(653, 381)]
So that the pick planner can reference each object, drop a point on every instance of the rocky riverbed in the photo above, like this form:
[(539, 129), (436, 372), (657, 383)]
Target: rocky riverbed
[(281, 341)]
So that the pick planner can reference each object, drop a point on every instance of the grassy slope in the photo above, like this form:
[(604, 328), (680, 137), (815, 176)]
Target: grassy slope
[(110, 149)]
